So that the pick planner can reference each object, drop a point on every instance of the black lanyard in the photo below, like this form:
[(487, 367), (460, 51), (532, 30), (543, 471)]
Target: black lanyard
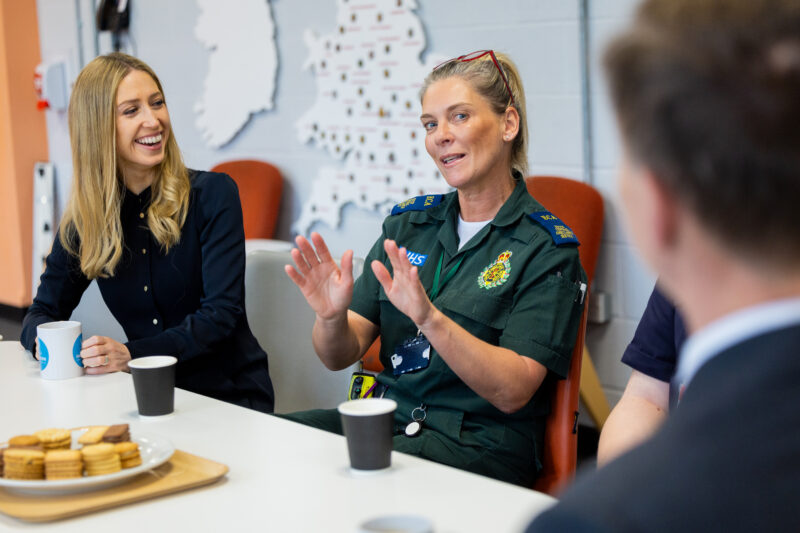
[(434, 292)]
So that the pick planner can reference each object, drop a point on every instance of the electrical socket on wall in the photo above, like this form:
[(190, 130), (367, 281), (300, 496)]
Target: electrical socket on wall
[(599, 307)]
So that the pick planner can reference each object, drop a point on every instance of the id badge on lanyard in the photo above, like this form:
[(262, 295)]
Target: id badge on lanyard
[(415, 353)]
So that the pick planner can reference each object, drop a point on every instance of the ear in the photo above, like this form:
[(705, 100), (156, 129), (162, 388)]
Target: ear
[(665, 211), (510, 124)]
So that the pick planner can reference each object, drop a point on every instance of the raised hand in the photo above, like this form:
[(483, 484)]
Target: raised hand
[(327, 288), (404, 290), (103, 354)]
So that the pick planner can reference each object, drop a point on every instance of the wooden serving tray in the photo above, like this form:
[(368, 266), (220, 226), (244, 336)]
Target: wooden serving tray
[(183, 471)]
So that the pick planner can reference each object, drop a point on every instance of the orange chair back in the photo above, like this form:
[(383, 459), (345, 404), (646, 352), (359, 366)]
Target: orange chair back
[(580, 206), (260, 187)]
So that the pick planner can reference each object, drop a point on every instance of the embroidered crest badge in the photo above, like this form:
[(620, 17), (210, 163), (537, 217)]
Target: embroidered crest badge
[(497, 273)]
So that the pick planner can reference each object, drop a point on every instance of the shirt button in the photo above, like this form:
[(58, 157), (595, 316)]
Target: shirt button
[(144, 250), (141, 215), (155, 321), (145, 288)]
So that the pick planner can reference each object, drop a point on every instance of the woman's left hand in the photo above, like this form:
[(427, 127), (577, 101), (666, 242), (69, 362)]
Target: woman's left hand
[(404, 290), (103, 354)]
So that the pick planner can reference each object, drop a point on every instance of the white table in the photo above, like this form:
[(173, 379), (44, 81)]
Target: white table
[(283, 476)]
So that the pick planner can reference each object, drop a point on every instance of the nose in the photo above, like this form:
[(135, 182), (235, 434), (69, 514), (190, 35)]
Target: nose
[(150, 117), (443, 135)]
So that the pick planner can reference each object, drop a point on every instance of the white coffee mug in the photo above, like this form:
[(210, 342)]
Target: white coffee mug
[(59, 349)]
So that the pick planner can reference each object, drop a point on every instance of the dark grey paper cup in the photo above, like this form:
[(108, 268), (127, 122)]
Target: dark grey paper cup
[(154, 383), (367, 427)]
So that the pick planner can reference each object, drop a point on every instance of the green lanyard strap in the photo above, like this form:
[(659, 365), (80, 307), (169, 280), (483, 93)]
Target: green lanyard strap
[(436, 287)]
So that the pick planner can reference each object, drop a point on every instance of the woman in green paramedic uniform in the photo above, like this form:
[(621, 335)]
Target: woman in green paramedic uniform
[(476, 329)]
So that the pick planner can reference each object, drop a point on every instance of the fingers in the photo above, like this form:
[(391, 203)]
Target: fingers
[(382, 275), (347, 266), (322, 248)]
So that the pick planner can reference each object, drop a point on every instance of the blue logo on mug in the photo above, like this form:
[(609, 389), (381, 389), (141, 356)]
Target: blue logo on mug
[(76, 350), (44, 356)]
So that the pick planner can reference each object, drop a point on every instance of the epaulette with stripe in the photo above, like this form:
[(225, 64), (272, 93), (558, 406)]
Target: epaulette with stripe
[(558, 230), (418, 203)]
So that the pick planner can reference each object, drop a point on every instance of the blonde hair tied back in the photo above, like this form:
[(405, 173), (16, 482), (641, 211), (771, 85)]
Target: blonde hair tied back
[(485, 79), (91, 228)]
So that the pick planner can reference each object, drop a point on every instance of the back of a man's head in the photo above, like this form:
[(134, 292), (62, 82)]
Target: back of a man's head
[(707, 93)]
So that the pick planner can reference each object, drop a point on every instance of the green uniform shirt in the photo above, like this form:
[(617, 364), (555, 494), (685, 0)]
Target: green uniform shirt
[(515, 288)]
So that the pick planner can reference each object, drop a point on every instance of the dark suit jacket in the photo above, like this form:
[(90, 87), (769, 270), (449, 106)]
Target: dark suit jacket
[(727, 459)]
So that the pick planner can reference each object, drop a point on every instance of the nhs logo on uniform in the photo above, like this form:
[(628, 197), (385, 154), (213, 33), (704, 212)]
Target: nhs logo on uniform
[(416, 259)]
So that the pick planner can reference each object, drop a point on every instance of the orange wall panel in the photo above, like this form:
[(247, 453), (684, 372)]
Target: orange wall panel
[(23, 141)]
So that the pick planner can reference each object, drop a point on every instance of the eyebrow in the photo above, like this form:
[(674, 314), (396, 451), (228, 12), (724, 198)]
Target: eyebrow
[(134, 100), (428, 115)]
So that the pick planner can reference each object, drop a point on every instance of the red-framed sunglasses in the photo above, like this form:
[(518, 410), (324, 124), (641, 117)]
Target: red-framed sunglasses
[(472, 56)]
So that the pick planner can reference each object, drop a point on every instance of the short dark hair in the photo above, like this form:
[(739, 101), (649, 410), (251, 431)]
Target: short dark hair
[(707, 94)]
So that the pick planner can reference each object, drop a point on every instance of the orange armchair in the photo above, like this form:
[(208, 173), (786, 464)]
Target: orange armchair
[(260, 187), (580, 206)]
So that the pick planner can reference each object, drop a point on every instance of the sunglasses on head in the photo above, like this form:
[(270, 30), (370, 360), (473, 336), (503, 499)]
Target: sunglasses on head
[(472, 56)]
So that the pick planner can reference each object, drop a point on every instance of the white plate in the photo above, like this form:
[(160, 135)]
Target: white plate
[(154, 450)]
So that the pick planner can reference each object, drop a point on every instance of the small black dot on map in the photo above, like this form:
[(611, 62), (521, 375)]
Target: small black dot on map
[(360, 91), (385, 134), (333, 136), (368, 104), (391, 157), (360, 63), (338, 47), (314, 127), (405, 191), (353, 17), (421, 192), (313, 208), (327, 45), (334, 94), (436, 174), (394, 97), (371, 54), (413, 134), (338, 149), (341, 29), (361, 139), (347, 138), (380, 17), (322, 64), (344, 76), (399, 3), (372, 157), (414, 152), (387, 48), (349, 111), (408, 104), (388, 179), (410, 174), (352, 177), (334, 197), (363, 197), (322, 135), (386, 73), (410, 32)]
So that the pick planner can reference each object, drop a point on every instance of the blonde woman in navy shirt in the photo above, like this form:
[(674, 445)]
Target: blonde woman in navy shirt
[(165, 243)]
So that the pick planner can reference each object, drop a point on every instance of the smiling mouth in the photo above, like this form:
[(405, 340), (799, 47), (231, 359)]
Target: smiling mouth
[(152, 140), (451, 159)]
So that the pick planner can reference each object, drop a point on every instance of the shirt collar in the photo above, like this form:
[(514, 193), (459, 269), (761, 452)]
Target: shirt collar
[(731, 330)]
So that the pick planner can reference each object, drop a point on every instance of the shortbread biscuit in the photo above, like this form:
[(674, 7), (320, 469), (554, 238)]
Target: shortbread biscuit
[(55, 438), (93, 435), (99, 459), (23, 440)]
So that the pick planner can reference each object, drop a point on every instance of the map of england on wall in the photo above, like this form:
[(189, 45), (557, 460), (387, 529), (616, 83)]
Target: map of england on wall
[(368, 74), (242, 66)]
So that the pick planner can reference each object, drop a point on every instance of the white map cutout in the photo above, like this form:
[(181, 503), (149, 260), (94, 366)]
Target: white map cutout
[(241, 69), (368, 74)]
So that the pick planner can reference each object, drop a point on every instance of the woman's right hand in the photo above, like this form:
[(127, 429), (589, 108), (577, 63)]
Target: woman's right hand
[(327, 288)]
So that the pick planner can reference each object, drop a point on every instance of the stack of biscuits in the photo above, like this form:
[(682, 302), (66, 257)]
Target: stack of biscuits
[(63, 464), (23, 463), (54, 439), (128, 454), (100, 459)]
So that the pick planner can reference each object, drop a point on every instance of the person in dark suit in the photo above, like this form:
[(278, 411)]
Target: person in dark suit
[(707, 96)]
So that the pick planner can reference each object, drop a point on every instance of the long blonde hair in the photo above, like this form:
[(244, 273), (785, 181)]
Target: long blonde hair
[(91, 228), (485, 78)]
